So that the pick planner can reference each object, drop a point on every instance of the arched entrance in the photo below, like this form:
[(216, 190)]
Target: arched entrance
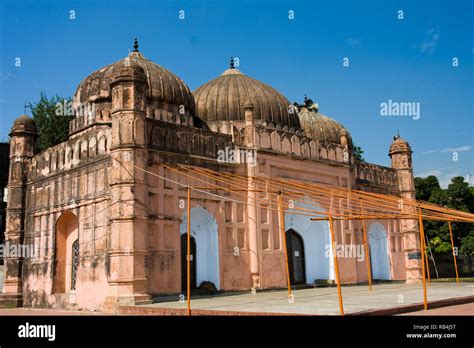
[(66, 253), (378, 247), (316, 237), (204, 232), (184, 264), (295, 247)]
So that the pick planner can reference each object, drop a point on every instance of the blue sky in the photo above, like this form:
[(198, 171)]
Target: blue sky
[(408, 60)]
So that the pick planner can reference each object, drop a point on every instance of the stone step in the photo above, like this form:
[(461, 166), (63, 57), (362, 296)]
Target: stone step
[(11, 301)]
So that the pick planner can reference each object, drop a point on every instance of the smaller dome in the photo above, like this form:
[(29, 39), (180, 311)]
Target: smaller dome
[(399, 145), (24, 123), (322, 128), (24, 120)]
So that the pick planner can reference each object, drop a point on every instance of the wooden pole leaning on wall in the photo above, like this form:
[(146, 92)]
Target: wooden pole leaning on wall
[(454, 254), (422, 247), (188, 259), (427, 260), (366, 246), (336, 266), (285, 249), (425, 257)]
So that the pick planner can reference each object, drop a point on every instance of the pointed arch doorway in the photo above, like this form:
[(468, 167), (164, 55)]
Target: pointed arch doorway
[(206, 246), (318, 260), (184, 264), (296, 265), (379, 254)]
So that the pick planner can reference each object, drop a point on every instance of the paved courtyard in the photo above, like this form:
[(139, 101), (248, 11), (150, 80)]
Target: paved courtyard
[(324, 301), (319, 301)]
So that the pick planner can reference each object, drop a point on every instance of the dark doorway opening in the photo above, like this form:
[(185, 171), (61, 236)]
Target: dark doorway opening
[(184, 270), (295, 247)]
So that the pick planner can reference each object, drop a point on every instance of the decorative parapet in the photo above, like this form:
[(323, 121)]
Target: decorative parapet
[(69, 154), (90, 114), (372, 174), (296, 144), (98, 112), (185, 140)]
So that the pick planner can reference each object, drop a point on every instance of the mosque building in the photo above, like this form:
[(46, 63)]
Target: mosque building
[(105, 211)]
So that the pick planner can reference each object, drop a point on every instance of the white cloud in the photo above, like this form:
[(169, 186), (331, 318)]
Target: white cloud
[(462, 148), (5, 76), (430, 172), (445, 175), (352, 41), (446, 179), (430, 41)]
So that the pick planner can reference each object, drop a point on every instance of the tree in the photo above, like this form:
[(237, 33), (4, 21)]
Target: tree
[(458, 196), (439, 196), (424, 187), (440, 246), (357, 153), (53, 127), (467, 244)]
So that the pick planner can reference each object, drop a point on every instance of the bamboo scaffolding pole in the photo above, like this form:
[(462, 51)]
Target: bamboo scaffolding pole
[(380, 202), (274, 206), (232, 190), (396, 210), (366, 246), (232, 182), (378, 217), (285, 248), (458, 216), (377, 206), (319, 203), (188, 261), (427, 260), (318, 212), (381, 199), (320, 190), (336, 266), (368, 196), (454, 254), (217, 177), (422, 237), (427, 216)]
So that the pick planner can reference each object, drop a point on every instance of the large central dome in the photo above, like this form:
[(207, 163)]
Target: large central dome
[(222, 100), (163, 86)]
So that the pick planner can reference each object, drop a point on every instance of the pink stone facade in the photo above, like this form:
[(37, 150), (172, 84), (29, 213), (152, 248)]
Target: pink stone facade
[(108, 177)]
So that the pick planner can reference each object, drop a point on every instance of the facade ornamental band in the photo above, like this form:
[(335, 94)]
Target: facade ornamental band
[(109, 234)]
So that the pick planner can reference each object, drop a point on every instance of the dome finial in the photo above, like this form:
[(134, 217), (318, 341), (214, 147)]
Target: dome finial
[(397, 136), (232, 64), (135, 45)]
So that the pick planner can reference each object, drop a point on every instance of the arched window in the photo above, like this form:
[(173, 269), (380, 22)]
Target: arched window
[(66, 253), (75, 263)]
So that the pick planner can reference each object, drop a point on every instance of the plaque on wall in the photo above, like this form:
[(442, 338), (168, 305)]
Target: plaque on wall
[(414, 256)]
